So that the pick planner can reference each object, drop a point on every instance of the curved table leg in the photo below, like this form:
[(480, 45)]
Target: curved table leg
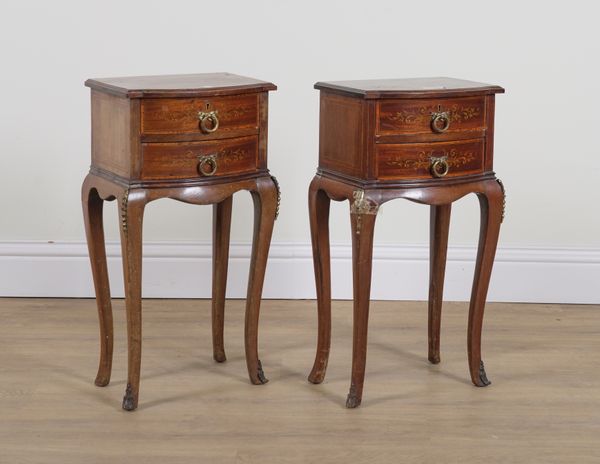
[(363, 214), (94, 229), (318, 205), (132, 213), (438, 246), (221, 234), (265, 206), (491, 203)]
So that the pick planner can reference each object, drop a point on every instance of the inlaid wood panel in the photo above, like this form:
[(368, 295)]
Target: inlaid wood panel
[(414, 160), (114, 149), (415, 116), (341, 134), (181, 160), (490, 106), (236, 114)]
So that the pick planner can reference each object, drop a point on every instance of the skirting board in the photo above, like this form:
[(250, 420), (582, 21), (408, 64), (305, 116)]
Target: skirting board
[(183, 270)]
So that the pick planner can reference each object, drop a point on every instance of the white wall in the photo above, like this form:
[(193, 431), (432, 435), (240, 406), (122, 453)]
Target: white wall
[(546, 55)]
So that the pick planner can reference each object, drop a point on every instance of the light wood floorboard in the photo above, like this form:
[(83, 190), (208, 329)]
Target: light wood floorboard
[(543, 405)]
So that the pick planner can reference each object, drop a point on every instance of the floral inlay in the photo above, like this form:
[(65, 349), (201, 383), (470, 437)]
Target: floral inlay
[(422, 114), (454, 158)]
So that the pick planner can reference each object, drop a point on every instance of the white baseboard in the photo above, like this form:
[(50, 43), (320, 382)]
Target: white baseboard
[(183, 270)]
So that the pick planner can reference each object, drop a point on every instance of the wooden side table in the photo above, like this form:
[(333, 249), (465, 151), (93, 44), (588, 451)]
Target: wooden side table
[(194, 138), (426, 140)]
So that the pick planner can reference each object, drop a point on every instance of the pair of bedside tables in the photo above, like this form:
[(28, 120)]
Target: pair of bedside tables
[(201, 138)]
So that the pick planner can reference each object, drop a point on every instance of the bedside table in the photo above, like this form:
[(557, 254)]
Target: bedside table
[(194, 138), (429, 141)]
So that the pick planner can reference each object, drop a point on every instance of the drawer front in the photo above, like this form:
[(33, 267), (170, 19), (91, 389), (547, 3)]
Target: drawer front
[(217, 117), (190, 160), (417, 116), (429, 160)]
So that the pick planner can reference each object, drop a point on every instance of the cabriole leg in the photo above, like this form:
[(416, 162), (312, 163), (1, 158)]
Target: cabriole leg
[(438, 248), (265, 207), (221, 234), (491, 203), (318, 205), (94, 229), (132, 213), (363, 214)]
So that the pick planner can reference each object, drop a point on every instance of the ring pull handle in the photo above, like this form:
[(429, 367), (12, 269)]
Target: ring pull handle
[(439, 167), (209, 121), (207, 165), (440, 121)]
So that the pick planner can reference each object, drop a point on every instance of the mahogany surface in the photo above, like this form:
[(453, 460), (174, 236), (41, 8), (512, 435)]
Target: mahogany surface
[(427, 140), (179, 160), (410, 87), (150, 141), (238, 114), (180, 85)]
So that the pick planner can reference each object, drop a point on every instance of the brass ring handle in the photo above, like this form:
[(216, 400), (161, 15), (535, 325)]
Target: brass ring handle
[(205, 118), (439, 167), (209, 161), (440, 117)]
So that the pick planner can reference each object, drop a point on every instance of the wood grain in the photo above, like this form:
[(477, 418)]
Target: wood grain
[(220, 264), (490, 106), (237, 114), (341, 134), (112, 148), (413, 160), (439, 226), (491, 206), (180, 160), (318, 208), (540, 408), (179, 85), (146, 145), (93, 219), (416, 87), (264, 198), (414, 116)]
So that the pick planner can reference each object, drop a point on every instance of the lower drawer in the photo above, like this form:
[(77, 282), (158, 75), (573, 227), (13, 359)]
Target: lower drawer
[(187, 160), (429, 160)]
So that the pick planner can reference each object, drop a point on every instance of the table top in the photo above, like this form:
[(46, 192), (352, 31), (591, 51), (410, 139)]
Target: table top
[(180, 85), (409, 88)]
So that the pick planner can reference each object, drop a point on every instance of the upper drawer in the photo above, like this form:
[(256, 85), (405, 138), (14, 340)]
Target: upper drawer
[(430, 116), (209, 117)]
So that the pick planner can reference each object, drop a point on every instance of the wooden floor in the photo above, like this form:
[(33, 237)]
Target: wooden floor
[(543, 405)]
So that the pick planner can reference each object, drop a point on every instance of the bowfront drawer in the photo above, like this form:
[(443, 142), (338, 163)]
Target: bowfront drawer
[(209, 117), (430, 116), (199, 159), (429, 160)]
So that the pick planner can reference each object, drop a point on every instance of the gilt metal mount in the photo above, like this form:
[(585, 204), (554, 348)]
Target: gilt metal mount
[(124, 201), (503, 199), (278, 196), (360, 206)]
